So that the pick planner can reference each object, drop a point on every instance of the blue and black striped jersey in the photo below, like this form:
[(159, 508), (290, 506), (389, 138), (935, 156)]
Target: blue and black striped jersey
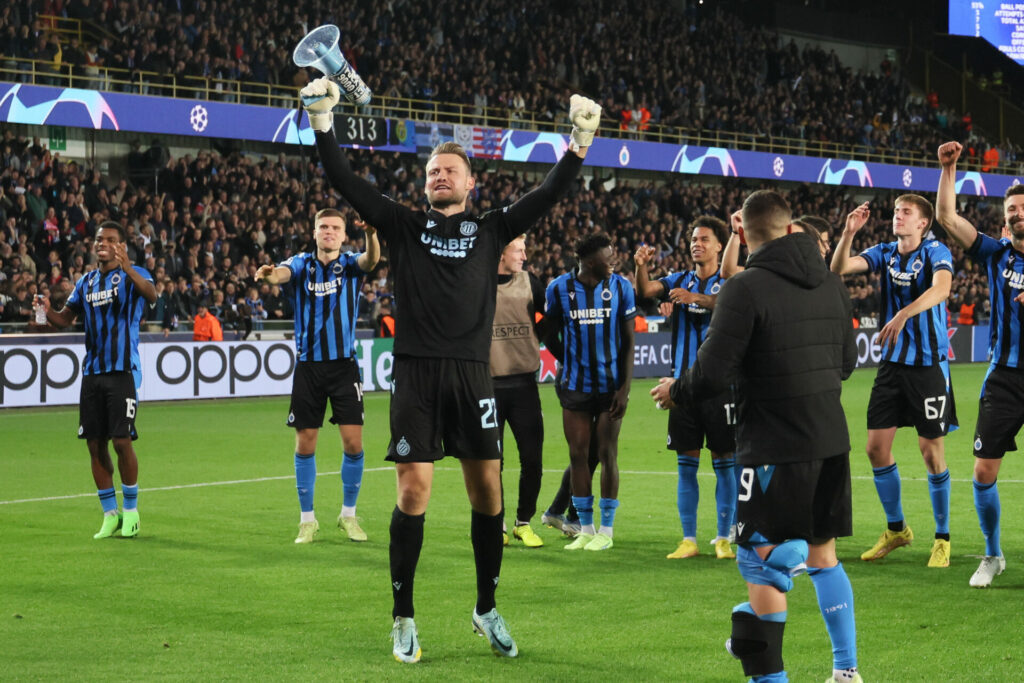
[(111, 309), (925, 338), (591, 322), (690, 322), (1006, 282), (326, 305)]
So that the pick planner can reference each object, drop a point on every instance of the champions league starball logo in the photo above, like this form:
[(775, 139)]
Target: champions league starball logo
[(778, 167), (908, 177), (198, 118)]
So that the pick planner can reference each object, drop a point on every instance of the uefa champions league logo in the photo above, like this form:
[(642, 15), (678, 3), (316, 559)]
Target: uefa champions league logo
[(778, 167), (908, 177), (198, 118)]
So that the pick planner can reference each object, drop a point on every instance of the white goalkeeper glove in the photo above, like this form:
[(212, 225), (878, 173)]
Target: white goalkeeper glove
[(318, 99), (585, 115)]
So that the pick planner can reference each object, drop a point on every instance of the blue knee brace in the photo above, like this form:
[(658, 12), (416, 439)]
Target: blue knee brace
[(787, 559)]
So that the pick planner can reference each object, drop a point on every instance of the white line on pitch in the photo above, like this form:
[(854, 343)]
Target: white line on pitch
[(387, 469)]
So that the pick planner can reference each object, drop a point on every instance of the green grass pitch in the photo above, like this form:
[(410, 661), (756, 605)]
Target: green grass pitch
[(214, 588)]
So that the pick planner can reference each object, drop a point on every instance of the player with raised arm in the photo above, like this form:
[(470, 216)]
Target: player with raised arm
[(593, 310), (445, 264), (912, 386), (111, 301), (693, 296), (1001, 406), (326, 284)]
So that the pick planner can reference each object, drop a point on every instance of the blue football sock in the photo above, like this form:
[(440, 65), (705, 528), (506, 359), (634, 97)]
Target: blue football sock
[(131, 496), (687, 494), (108, 499), (305, 479), (585, 509), (777, 617), (887, 483), (986, 502), (725, 494), (608, 506), (351, 478), (938, 489), (835, 600)]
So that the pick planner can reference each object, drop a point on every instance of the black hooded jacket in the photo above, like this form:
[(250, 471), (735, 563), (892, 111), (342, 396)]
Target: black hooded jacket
[(782, 336)]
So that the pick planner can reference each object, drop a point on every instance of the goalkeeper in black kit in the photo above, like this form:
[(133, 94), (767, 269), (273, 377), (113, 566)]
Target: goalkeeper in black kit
[(445, 265)]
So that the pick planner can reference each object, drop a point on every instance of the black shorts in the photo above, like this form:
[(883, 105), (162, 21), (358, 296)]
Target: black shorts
[(808, 500), (582, 402), (690, 424), (106, 406), (316, 381), (442, 406), (1000, 412), (909, 396)]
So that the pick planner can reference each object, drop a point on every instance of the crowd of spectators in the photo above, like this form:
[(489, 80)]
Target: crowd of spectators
[(713, 71), (217, 218)]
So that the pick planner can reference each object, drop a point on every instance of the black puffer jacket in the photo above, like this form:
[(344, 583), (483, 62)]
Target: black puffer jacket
[(782, 334)]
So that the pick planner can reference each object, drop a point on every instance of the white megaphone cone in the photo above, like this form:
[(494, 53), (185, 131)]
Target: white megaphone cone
[(320, 49)]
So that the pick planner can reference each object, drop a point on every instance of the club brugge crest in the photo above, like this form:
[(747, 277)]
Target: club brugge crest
[(468, 228), (715, 287), (403, 447), (116, 279), (918, 265), (338, 268), (606, 295)]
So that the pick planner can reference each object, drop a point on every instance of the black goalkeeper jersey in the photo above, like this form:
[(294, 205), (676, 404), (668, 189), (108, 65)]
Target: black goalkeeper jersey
[(445, 267)]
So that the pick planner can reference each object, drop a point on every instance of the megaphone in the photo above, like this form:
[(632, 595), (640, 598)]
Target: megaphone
[(320, 49)]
